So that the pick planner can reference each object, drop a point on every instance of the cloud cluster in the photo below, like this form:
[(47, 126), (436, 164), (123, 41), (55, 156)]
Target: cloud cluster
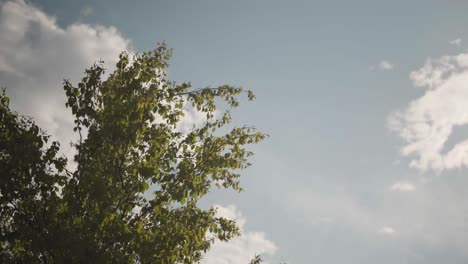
[(428, 121), (240, 249)]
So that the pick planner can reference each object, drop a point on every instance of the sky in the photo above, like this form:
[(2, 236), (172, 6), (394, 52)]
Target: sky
[(365, 104)]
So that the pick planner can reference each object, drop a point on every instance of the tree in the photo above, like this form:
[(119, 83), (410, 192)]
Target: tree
[(133, 197)]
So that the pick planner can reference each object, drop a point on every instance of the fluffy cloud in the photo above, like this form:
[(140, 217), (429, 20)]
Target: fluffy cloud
[(402, 187), (240, 249), (428, 122), (38, 54)]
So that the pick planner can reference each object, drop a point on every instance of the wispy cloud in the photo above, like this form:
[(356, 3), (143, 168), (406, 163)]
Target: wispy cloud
[(456, 42), (86, 11), (386, 65), (402, 187), (383, 65), (386, 230)]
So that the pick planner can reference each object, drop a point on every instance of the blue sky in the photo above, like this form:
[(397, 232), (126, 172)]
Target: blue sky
[(366, 158)]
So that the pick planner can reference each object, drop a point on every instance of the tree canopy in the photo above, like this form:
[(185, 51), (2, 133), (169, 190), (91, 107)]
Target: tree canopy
[(133, 197)]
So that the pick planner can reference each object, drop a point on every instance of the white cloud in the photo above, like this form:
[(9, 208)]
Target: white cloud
[(402, 187), (428, 121), (240, 249), (386, 230), (386, 65), (36, 55), (457, 42)]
